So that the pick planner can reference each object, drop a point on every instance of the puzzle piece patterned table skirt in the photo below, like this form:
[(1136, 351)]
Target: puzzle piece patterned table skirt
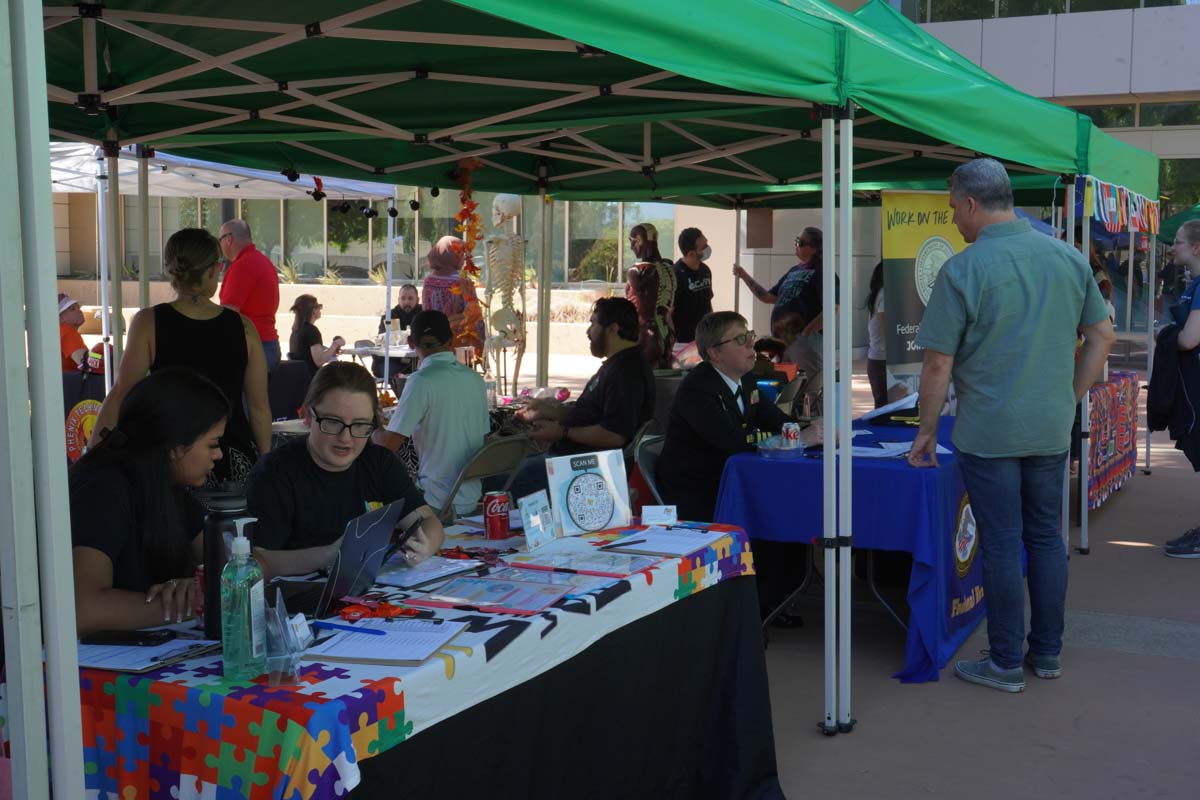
[(184, 732)]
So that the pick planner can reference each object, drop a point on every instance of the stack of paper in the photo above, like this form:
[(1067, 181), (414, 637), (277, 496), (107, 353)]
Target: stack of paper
[(404, 641), (134, 658), (596, 562), (674, 542), (398, 573)]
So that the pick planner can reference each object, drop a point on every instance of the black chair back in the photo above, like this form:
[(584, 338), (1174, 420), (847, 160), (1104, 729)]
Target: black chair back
[(286, 389)]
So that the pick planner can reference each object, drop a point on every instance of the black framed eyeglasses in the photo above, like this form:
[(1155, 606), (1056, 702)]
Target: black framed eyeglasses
[(740, 340), (333, 426), (224, 236), (802, 242)]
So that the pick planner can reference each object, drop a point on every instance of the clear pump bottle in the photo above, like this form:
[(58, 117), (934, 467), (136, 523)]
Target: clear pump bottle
[(243, 612)]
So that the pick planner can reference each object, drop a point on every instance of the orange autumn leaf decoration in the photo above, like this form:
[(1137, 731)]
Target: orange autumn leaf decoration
[(466, 332)]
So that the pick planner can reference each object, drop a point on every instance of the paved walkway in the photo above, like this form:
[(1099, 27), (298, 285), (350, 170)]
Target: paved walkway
[(1122, 722)]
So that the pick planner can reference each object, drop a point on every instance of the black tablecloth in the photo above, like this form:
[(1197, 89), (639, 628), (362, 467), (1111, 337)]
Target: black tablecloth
[(674, 705)]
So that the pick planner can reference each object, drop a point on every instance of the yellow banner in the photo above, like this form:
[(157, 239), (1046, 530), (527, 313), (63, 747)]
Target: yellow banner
[(919, 235), (910, 219)]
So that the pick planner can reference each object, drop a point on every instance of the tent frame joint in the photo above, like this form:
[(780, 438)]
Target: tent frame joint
[(143, 151), (90, 10), (112, 148), (606, 90), (312, 30), (90, 104)]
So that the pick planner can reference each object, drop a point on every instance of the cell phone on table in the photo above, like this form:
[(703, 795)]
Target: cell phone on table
[(150, 638)]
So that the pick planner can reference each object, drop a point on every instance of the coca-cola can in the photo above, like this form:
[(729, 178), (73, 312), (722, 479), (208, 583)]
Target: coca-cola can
[(495, 515), (790, 436), (199, 595)]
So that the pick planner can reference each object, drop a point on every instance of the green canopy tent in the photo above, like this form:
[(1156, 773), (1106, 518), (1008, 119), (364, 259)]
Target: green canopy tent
[(594, 96)]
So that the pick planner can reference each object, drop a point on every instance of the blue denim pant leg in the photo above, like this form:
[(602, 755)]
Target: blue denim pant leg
[(1041, 505), (272, 352), (1015, 501)]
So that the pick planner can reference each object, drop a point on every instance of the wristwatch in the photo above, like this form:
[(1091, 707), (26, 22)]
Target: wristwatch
[(564, 437)]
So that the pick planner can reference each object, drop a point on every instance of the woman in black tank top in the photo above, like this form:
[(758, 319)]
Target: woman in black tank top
[(196, 333)]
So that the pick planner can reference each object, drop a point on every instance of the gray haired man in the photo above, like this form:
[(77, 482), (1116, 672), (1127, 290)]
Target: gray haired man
[(1003, 321)]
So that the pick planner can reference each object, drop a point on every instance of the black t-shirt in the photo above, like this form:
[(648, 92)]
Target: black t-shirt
[(618, 398), (405, 317), (799, 292), (109, 513), (300, 505), (300, 345), (693, 299)]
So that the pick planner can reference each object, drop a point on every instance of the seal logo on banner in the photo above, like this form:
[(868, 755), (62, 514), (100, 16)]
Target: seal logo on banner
[(966, 538), (79, 426), (933, 253)]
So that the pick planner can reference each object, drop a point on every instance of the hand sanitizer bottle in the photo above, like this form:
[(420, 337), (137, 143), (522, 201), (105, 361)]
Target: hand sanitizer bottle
[(243, 611)]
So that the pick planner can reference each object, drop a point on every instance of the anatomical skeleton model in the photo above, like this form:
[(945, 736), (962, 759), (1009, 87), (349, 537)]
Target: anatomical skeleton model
[(506, 279)]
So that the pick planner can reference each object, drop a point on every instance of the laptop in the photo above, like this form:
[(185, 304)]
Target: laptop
[(366, 545)]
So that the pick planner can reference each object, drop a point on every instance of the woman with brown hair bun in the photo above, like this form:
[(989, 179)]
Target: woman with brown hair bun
[(195, 333)]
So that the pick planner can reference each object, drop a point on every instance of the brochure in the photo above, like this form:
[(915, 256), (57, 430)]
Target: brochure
[(493, 596)]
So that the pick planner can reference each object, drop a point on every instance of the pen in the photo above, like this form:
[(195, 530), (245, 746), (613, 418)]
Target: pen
[(566, 570), (333, 626), (621, 543)]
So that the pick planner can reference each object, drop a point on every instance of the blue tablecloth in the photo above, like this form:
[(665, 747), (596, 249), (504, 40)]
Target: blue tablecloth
[(896, 507)]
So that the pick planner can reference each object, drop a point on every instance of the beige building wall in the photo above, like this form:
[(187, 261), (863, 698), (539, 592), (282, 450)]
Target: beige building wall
[(81, 237)]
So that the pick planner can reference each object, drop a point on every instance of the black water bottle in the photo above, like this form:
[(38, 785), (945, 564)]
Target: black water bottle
[(224, 509)]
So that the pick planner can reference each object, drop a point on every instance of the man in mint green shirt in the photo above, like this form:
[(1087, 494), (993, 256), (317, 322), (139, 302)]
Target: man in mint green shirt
[(1003, 321)]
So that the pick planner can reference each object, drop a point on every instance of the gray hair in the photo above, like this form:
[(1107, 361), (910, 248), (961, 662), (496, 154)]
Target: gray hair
[(986, 180), (239, 228), (712, 327), (1191, 231)]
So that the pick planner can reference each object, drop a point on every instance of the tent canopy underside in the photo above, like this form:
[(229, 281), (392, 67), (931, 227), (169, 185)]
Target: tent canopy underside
[(606, 101)]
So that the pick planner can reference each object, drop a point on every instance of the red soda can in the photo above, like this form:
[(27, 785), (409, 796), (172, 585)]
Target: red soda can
[(199, 596), (495, 515)]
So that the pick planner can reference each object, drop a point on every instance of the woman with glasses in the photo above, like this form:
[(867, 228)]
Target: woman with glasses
[(194, 332), (305, 492), (306, 343)]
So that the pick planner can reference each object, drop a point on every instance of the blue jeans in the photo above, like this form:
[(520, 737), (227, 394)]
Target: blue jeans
[(1019, 501), (271, 351)]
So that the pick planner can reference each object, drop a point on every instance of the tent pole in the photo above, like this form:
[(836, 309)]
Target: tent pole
[(115, 256), (544, 269), (620, 240), (1086, 404), (387, 306), (102, 238), (844, 316), (828, 221), (737, 254), (36, 515), (1150, 269), (1069, 238), (417, 239), (1129, 280), (143, 164)]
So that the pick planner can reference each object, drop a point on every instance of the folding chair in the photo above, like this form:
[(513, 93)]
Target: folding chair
[(502, 456), (649, 427), (646, 457)]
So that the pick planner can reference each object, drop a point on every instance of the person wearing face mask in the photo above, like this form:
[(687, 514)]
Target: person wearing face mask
[(693, 284), (305, 492), (136, 532), (650, 286)]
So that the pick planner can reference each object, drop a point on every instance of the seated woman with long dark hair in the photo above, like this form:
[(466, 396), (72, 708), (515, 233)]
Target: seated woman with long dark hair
[(136, 532), (306, 343)]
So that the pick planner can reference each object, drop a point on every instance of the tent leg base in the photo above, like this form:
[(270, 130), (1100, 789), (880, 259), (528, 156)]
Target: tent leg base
[(828, 728), (1083, 551), (1146, 472), (847, 727)]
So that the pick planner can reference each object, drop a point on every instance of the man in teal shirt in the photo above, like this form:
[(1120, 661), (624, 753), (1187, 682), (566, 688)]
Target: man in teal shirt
[(1003, 321)]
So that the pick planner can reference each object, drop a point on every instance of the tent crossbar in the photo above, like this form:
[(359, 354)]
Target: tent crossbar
[(155, 18), (862, 165), (623, 166), (729, 172), (70, 136), (511, 83), (210, 107), (453, 39), (686, 134), (748, 126), (601, 149), (489, 162), (711, 97), (491, 149), (60, 94), (305, 98), (516, 113), (49, 24), (91, 82), (255, 87), (328, 27), (333, 156), (722, 152)]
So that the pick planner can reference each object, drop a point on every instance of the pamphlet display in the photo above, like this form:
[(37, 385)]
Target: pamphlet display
[(537, 519), (589, 491)]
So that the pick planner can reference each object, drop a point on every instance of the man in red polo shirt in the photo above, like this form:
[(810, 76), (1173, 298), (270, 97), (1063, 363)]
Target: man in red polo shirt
[(251, 285)]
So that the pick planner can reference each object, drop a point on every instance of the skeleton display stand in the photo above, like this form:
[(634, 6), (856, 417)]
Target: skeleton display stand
[(506, 279)]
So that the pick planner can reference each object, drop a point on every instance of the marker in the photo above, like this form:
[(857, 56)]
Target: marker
[(333, 626)]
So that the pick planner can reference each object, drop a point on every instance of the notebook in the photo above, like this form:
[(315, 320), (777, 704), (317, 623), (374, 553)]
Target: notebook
[(671, 542), (405, 642), (403, 576)]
